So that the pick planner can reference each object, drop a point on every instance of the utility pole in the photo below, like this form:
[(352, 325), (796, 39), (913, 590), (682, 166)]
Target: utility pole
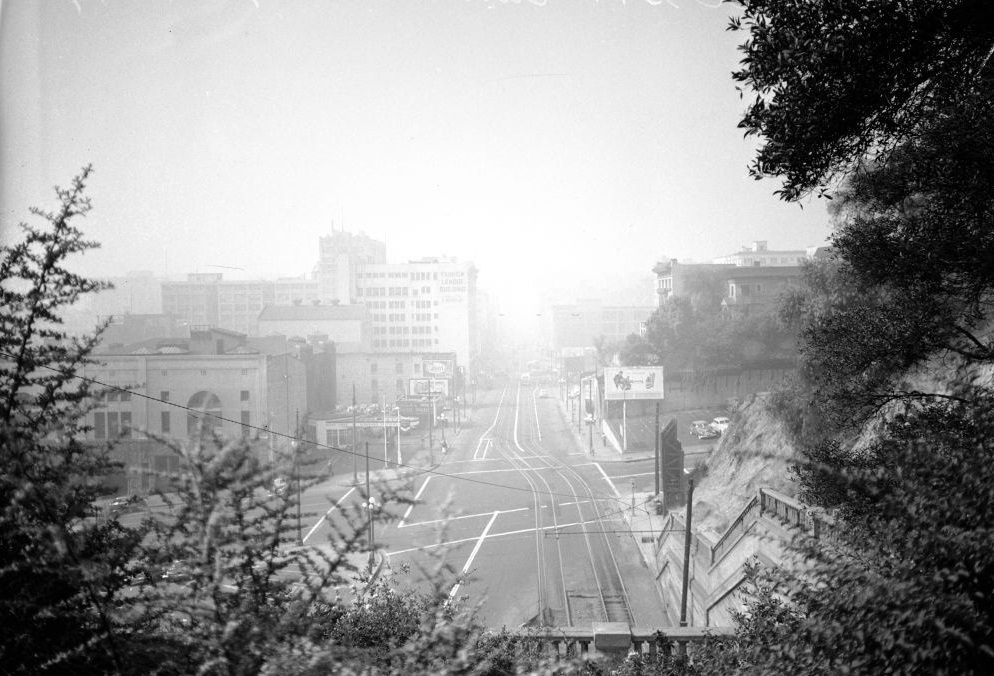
[(431, 425), (686, 554), (355, 442), (590, 396), (369, 509), (656, 474), (579, 408), (296, 462)]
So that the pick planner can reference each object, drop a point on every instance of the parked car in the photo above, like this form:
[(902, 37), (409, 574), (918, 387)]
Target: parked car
[(126, 503), (703, 430), (178, 571), (280, 487), (720, 424)]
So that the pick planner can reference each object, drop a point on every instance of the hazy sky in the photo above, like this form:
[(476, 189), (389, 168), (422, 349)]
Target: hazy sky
[(545, 140)]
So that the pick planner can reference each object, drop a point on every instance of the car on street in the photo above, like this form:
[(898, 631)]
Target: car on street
[(703, 430), (126, 503), (280, 487), (178, 571), (720, 424)]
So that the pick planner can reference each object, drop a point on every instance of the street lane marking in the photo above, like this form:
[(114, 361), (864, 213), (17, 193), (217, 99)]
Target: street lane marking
[(326, 514), (462, 516), (472, 555), (483, 456), (494, 471), (629, 476), (608, 479), (489, 537), (538, 426), (485, 435), (411, 506)]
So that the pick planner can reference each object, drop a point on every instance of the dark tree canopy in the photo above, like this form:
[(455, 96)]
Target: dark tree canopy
[(836, 80)]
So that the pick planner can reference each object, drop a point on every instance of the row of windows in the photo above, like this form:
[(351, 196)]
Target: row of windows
[(382, 275), (114, 425), (403, 342), (371, 291)]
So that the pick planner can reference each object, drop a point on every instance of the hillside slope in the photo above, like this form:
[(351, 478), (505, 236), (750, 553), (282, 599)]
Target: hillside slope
[(753, 454)]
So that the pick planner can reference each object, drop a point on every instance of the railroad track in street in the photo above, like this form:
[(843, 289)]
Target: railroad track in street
[(608, 600)]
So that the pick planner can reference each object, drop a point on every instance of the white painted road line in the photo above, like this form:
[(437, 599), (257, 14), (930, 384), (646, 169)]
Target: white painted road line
[(496, 471), (472, 555), (411, 506), (485, 435), (523, 531), (608, 479), (629, 476), (461, 516), (326, 514)]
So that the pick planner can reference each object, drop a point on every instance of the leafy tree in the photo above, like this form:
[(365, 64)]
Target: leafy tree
[(836, 81), (61, 574)]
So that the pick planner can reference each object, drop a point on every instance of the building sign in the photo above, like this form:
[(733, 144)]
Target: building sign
[(452, 286), (437, 368), (419, 386), (633, 383)]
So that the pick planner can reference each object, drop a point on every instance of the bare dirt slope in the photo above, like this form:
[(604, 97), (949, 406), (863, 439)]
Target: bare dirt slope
[(754, 453)]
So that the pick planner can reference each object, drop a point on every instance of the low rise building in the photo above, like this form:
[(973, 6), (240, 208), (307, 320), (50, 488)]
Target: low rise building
[(171, 388), (384, 377)]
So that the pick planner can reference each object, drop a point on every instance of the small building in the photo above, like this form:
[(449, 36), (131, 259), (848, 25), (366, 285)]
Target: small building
[(173, 388), (750, 290)]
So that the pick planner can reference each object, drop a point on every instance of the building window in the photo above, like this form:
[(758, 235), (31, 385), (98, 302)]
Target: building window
[(113, 425), (99, 425), (244, 372), (374, 384), (246, 421), (203, 372), (112, 395), (244, 395), (400, 386), (125, 395), (125, 423), (164, 372), (164, 395), (399, 367), (164, 421), (373, 367), (207, 407)]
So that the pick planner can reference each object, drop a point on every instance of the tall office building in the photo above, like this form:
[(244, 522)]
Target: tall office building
[(339, 256), (425, 305)]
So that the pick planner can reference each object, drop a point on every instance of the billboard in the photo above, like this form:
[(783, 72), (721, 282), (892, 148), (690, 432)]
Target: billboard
[(633, 383), (419, 386), (437, 368)]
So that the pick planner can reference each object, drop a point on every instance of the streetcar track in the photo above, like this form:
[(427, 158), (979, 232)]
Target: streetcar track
[(613, 594)]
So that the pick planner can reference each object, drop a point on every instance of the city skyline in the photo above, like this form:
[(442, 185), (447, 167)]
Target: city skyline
[(542, 143)]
